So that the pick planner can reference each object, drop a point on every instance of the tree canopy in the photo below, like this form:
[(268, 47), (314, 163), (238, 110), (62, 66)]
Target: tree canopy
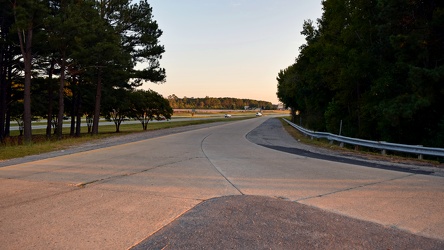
[(71, 55), (377, 66)]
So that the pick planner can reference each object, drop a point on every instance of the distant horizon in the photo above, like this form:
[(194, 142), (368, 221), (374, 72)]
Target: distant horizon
[(192, 97)]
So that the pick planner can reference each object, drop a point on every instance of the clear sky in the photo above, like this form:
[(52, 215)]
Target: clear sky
[(229, 48)]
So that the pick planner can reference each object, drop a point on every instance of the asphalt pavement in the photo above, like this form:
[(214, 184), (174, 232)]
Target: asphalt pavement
[(255, 222)]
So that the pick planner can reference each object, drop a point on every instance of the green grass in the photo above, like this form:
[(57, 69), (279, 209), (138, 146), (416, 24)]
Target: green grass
[(13, 146)]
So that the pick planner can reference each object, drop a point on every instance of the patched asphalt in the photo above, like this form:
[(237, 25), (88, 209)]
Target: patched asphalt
[(255, 222)]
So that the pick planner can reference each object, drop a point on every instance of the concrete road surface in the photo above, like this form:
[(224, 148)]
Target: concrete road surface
[(115, 197)]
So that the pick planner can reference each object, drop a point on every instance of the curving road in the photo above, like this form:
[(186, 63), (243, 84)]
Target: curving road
[(115, 197)]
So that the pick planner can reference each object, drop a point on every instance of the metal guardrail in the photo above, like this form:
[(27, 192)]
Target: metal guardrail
[(381, 145)]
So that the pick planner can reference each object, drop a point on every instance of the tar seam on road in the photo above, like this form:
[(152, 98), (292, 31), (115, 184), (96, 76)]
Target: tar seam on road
[(84, 184), (352, 188), (206, 156)]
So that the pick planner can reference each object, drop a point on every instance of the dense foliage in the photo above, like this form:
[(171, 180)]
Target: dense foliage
[(217, 103), (73, 57), (375, 65)]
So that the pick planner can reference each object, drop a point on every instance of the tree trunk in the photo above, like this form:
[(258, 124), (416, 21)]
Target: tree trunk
[(25, 38), (293, 115), (78, 110), (78, 123), (50, 104), (73, 122), (96, 118), (61, 97), (8, 123), (117, 127), (3, 70), (73, 112), (4, 65), (8, 99)]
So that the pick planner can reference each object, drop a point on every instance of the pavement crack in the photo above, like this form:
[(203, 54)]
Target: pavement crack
[(217, 169), (351, 188), (84, 184)]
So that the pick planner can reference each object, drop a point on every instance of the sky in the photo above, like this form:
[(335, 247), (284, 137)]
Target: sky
[(229, 48)]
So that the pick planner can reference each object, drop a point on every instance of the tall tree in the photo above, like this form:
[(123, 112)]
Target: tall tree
[(28, 16), (99, 55), (61, 28), (140, 37), (8, 55), (137, 37)]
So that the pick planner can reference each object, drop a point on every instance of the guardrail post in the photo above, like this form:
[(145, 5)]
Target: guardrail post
[(383, 152), (341, 144), (420, 155)]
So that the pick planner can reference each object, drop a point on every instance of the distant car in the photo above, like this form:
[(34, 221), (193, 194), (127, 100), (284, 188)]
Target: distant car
[(227, 116), (258, 114)]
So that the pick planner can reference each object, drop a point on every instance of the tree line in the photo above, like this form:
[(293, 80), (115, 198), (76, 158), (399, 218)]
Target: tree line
[(217, 103), (374, 67), (76, 58)]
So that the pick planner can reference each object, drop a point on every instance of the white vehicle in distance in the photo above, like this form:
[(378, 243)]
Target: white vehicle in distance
[(227, 116), (258, 114)]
